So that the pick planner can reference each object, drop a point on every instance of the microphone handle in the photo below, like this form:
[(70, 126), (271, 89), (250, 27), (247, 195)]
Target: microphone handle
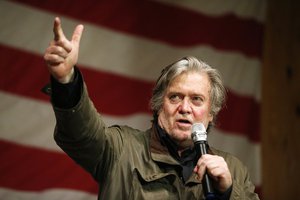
[(201, 149)]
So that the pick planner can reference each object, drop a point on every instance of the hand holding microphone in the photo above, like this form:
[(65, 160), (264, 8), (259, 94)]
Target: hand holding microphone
[(211, 169)]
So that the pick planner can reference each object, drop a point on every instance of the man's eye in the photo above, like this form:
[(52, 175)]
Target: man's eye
[(197, 100), (174, 98)]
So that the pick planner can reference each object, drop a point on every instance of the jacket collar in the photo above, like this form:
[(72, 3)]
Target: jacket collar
[(159, 152)]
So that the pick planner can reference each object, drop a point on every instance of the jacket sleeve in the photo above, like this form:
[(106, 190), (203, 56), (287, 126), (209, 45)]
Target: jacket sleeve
[(82, 134), (242, 187)]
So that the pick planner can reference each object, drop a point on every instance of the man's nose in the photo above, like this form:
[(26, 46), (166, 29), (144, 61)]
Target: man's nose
[(185, 106)]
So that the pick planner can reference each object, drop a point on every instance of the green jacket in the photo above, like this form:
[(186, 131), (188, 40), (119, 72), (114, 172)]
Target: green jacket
[(129, 163)]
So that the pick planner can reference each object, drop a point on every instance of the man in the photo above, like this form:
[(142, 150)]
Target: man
[(159, 163)]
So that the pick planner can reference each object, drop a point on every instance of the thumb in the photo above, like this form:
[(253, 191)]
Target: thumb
[(77, 34)]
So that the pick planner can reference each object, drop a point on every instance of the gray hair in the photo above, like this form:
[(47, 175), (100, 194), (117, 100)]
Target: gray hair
[(187, 64)]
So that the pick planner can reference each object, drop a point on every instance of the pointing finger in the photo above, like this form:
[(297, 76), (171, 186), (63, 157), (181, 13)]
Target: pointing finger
[(59, 36), (57, 30)]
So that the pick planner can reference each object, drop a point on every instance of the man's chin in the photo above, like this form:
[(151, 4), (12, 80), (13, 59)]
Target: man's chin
[(184, 134), (183, 137)]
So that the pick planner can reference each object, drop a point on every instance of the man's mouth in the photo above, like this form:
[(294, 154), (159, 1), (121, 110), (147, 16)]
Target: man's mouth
[(184, 121)]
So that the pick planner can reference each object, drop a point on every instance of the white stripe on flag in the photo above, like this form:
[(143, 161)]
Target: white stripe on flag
[(37, 130), (51, 194)]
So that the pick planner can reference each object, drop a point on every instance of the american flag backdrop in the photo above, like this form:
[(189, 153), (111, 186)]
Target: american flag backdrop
[(124, 46)]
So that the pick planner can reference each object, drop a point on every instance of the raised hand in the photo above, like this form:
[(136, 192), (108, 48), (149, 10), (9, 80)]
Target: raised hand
[(62, 54)]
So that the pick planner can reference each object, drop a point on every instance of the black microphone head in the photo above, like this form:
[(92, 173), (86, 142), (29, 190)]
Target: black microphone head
[(198, 132)]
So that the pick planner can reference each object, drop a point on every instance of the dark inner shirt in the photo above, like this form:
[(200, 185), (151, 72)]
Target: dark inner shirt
[(187, 158)]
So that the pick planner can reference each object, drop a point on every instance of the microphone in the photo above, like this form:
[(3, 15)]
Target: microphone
[(199, 137)]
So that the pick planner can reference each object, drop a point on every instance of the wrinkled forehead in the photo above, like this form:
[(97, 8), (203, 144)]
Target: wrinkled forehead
[(193, 79), (184, 73)]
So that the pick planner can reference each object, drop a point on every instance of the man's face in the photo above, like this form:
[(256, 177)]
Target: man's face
[(186, 101)]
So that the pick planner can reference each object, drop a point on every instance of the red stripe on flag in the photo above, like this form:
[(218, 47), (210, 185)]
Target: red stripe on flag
[(113, 94), (33, 169), (166, 23), (240, 115)]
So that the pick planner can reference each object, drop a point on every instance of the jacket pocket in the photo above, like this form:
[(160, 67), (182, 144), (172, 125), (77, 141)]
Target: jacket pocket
[(154, 186)]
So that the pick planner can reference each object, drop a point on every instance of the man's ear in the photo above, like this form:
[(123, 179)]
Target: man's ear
[(211, 118)]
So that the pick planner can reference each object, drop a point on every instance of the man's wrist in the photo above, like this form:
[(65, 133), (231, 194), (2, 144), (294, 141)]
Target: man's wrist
[(225, 195), (69, 78)]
